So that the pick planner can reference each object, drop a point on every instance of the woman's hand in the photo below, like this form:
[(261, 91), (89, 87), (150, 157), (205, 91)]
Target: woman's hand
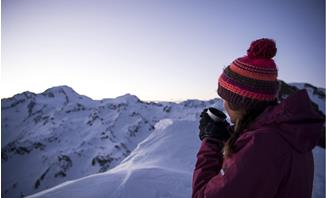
[(213, 124)]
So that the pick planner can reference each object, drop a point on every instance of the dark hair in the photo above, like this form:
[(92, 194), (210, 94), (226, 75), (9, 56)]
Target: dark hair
[(248, 116)]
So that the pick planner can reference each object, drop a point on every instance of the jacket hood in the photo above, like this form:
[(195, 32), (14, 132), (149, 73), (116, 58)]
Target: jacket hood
[(295, 120)]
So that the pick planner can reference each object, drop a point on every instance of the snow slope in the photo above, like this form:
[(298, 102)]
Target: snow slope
[(159, 163), (160, 166), (58, 135)]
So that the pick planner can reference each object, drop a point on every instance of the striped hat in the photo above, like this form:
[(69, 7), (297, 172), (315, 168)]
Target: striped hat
[(251, 81)]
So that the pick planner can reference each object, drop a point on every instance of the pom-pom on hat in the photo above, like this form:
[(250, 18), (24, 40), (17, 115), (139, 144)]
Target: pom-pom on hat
[(251, 80)]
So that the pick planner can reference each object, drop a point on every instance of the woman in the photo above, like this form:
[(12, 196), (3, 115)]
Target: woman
[(267, 152)]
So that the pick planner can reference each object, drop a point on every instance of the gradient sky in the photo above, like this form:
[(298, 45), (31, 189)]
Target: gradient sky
[(157, 50)]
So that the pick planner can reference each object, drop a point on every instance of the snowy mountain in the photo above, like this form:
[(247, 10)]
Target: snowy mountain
[(120, 147), (58, 135)]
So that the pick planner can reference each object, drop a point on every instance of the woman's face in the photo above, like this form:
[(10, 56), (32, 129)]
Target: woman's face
[(234, 115)]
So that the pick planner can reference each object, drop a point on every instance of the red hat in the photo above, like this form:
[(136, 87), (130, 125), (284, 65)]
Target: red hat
[(251, 80)]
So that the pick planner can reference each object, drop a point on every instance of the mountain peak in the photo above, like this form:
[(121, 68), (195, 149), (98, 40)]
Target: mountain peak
[(128, 98), (63, 89)]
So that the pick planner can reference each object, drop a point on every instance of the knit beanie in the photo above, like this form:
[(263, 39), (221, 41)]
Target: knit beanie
[(251, 80)]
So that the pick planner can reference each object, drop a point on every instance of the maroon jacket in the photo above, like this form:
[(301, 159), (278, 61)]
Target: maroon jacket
[(274, 157)]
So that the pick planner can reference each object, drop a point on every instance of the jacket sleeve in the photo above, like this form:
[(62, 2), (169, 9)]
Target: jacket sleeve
[(208, 165), (251, 172)]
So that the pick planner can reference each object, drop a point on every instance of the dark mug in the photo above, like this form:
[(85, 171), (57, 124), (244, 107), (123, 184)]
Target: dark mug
[(216, 115)]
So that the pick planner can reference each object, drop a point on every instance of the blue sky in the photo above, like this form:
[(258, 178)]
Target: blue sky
[(157, 50)]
